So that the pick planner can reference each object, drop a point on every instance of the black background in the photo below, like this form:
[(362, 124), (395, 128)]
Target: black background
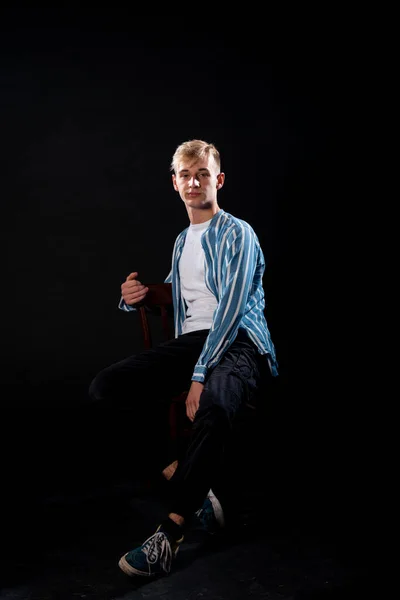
[(93, 105), (92, 111)]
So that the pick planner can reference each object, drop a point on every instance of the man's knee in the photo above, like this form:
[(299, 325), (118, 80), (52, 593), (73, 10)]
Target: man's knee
[(97, 388), (212, 416)]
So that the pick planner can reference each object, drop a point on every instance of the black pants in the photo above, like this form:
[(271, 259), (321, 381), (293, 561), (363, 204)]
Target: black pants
[(145, 383)]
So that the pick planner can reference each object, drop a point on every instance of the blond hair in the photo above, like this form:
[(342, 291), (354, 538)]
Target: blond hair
[(196, 150)]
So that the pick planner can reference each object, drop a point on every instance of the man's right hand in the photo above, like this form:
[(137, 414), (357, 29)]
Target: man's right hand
[(132, 290)]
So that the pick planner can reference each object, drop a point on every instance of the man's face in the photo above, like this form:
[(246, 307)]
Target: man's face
[(198, 182)]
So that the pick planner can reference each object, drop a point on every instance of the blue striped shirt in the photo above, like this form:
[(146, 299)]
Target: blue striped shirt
[(234, 269)]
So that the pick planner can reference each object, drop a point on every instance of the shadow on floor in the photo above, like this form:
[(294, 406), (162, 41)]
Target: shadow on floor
[(67, 546), (71, 507)]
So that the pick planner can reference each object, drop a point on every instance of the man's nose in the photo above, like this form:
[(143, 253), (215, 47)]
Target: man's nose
[(194, 182)]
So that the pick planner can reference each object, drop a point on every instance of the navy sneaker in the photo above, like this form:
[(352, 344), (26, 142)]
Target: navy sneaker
[(210, 517), (153, 557)]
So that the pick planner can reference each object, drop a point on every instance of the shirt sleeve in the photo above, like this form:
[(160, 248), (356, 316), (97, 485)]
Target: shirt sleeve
[(237, 264), (122, 305)]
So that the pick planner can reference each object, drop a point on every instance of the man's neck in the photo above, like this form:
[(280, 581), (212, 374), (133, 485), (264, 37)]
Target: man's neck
[(197, 216)]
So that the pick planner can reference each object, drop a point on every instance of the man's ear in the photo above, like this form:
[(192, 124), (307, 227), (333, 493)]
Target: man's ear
[(174, 183), (220, 180)]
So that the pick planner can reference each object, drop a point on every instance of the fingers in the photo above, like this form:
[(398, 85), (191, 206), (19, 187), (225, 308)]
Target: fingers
[(132, 290), (135, 295), (132, 276), (193, 399), (135, 298), (191, 409)]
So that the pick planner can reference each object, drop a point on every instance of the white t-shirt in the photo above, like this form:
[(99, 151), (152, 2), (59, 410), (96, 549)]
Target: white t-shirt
[(200, 302)]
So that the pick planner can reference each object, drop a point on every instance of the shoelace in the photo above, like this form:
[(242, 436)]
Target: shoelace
[(157, 547)]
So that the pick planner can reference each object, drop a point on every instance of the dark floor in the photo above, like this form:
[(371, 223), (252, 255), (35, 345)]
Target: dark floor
[(72, 507)]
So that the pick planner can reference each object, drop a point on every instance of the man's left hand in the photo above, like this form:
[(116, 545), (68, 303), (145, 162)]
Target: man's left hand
[(193, 399)]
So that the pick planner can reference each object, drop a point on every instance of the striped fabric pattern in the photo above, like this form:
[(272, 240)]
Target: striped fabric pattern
[(234, 270)]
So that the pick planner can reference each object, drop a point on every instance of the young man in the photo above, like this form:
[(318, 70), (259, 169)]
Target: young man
[(222, 345)]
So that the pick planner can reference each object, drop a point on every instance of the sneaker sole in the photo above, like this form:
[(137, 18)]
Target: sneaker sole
[(131, 571)]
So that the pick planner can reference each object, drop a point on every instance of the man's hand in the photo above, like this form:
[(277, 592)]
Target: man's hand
[(193, 399), (132, 290)]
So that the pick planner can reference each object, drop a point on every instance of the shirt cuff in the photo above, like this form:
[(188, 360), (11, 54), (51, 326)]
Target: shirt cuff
[(200, 373), (122, 305)]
